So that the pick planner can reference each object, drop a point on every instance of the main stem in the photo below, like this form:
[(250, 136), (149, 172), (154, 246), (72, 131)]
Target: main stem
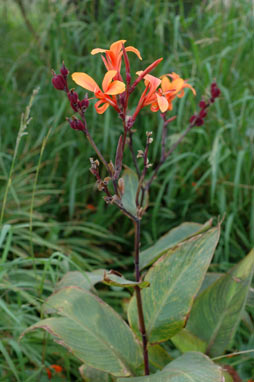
[(142, 327)]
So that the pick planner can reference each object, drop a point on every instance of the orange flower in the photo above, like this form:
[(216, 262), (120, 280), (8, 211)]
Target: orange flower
[(114, 54), (168, 91), (110, 88), (148, 96)]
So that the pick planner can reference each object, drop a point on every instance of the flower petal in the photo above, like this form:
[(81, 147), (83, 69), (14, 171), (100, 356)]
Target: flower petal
[(173, 75), (98, 50), (154, 81), (134, 50), (190, 87), (101, 107), (116, 87), (84, 80), (181, 94), (165, 84), (162, 102), (177, 85), (117, 46), (108, 79)]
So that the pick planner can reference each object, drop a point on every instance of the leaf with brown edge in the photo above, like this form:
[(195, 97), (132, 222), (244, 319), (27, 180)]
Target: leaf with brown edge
[(190, 367), (217, 311), (169, 240), (110, 278), (92, 331), (174, 282)]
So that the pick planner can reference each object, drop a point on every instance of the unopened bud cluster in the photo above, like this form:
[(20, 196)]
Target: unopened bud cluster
[(59, 82), (198, 119)]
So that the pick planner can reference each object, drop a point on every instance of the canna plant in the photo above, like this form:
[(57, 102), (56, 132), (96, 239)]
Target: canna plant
[(175, 303)]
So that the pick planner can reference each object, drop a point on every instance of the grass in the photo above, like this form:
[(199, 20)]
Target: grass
[(46, 190)]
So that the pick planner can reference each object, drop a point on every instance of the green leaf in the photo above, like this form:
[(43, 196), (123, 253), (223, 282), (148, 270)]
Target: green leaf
[(92, 331), (158, 356), (116, 280), (130, 190), (250, 299), (170, 240), (190, 367), (174, 281), (209, 279), (89, 374), (217, 311), (85, 280), (186, 341)]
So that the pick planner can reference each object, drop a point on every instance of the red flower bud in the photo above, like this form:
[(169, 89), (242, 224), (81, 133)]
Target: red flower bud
[(193, 118), (84, 103), (64, 71), (199, 121), (215, 91), (73, 97), (202, 104), (76, 124), (196, 120), (202, 113), (59, 82)]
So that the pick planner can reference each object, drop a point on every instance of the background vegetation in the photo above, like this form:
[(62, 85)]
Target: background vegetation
[(53, 219)]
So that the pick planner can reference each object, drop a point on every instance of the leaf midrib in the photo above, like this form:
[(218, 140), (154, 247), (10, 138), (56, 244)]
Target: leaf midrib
[(157, 312), (108, 345)]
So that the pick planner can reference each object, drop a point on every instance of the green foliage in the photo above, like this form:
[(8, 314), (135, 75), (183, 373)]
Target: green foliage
[(90, 375), (170, 240), (174, 282), (92, 331), (129, 196), (116, 280), (194, 367), (217, 311)]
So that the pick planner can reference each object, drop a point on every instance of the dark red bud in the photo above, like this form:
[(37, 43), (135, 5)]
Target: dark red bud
[(196, 120), (202, 104), (59, 82), (64, 71), (84, 103), (215, 91), (199, 121), (193, 118), (76, 124), (202, 113), (73, 97)]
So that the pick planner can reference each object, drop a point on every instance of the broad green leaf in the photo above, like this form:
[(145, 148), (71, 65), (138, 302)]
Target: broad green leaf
[(190, 367), (158, 356), (217, 311), (117, 280), (130, 189), (174, 281), (92, 331), (170, 240), (209, 279), (89, 374), (85, 280), (186, 341)]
